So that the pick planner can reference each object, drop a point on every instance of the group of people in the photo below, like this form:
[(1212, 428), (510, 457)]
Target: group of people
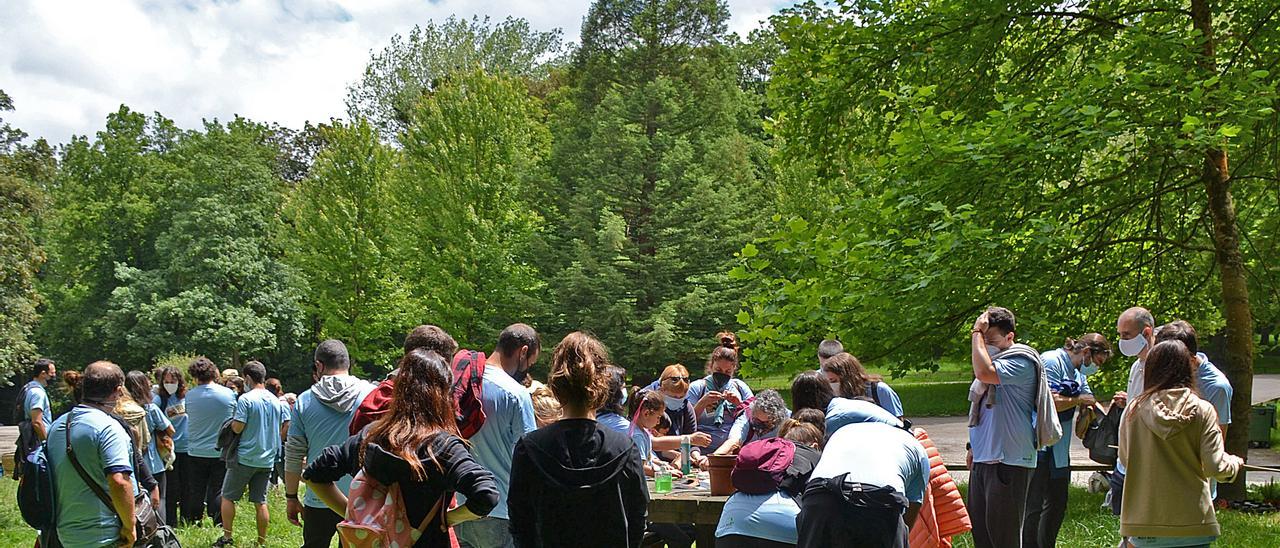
[(565, 462)]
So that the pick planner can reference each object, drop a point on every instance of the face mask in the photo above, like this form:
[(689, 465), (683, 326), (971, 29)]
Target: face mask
[(759, 427), (1133, 347), (1089, 368), (624, 396), (835, 388), (720, 379), (171, 388), (674, 403), (520, 374), (992, 350)]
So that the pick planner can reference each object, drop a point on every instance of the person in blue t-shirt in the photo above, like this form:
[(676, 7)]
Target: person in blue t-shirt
[(1002, 433), (766, 414), (717, 398), (320, 418), (850, 380), (171, 398), (34, 413), (866, 489), (1066, 372), (509, 415), (209, 405), (104, 450), (810, 390), (261, 422), (613, 414)]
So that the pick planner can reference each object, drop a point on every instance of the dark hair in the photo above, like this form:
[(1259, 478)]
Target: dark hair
[(664, 423), (515, 336), (74, 381), (203, 370), (138, 386), (430, 337), (1093, 342), (722, 354), (816, 417), (650, 399), (166, 371), (100, 380), (40, 366), (421, 408), (274, 387), (810, 390), (801, 432), (616, 376), (332, 355), (1178, 330), (1002, 319), (828, 348), (1168, 366), (237, 385), (729, 339), (579, 371), (255, 371), (854, 380)]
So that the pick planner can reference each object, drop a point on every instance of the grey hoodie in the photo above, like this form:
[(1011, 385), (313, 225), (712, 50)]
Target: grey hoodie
[(342, 393)]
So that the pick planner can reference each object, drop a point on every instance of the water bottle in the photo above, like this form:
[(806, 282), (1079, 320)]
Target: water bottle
[(685, 449)]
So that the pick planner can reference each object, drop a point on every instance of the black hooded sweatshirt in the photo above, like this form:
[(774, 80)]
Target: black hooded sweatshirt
[(461, 474), (577, 483)]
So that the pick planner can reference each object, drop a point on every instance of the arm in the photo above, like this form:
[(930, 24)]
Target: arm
[(120, 487), (1063, 403), (468, 477), (668, 443), (237, 426), (37, 424), (295, 451), (913, 510), (983, 369), (1215, 462), (737, 435), (330, 495)]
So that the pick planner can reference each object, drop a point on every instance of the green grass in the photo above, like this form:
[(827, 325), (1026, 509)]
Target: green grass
[(14, 532), (1267, 364), (941, 393)]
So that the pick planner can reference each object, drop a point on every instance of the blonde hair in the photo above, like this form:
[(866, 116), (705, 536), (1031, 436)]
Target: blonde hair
[(545, 406)]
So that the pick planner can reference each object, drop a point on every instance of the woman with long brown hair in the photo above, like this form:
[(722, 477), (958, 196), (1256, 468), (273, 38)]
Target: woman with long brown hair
[(415, 444), (1171, 445), (849, 379), (577, 482)]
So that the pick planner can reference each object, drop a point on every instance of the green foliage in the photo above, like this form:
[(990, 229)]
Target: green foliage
[(23, 171), (415, 65), (942, 157)]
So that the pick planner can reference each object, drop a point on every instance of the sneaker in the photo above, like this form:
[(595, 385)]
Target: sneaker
[(224, 541)]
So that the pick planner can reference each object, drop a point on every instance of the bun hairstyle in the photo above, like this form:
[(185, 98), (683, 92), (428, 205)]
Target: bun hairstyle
[(729, 339), (1094, 342), (72, 379), (579, 371)]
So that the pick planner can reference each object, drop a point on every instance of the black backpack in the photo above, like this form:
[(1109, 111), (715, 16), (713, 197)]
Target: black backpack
[(36, 490), (1103, 436)]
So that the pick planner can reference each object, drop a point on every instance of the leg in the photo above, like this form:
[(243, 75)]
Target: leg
[(162, 485), (1055, 510), (233, 485), (258, 496), (213, 490), (979, 476), (263, 517), (177, 490), (193, 504), (1116, 479), (318, 526), (1036, 503), (1007, 505), (228, 516)]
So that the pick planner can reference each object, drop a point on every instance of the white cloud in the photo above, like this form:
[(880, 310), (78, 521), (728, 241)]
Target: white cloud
[(67, 64)]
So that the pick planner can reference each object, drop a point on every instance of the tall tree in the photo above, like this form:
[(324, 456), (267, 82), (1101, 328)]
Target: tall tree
[(1063, 159), (341, 244), (658, 168), (23, 171), (414, 65)]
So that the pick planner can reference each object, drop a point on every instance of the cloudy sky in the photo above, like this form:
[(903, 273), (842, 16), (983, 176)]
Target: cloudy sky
[(66, 64)]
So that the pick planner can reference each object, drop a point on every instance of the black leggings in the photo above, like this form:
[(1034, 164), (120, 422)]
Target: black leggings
[(829, 518), (1046, 505), (175, 493), (204, 489)]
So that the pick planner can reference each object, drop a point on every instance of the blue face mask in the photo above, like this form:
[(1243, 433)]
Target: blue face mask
[(1089, 368), (673, 403)]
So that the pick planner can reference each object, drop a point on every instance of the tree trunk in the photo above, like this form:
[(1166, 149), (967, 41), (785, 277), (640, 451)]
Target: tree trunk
[(1235, 288)]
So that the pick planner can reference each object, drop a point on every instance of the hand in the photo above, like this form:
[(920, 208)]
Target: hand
[(700, 439), (676, 473), (1120, 398), (968, 460), (155, 499), (127, 536), (293, 508), (980, 324), (733, 398), (701, 461), (710, 398), (1087, 399)]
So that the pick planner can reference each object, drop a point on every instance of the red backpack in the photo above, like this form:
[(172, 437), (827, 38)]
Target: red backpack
[(374, 406), (468, 391)]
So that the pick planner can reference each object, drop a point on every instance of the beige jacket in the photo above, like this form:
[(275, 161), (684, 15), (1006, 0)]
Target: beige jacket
[(1171, 446)]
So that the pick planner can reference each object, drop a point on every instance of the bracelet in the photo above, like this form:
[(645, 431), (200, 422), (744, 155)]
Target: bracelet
[(291, 496)]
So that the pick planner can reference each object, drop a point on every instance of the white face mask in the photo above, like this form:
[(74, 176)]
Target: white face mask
[(170, 388), (1133, 347), (835, 388), (992, 350), (673, 403)]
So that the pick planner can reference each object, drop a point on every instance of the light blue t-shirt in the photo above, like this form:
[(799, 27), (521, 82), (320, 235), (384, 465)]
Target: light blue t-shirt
[(707, 419), (37, 398), (508, 412), (1057, 369), (156, 421), (208, 406), (262, 415), (102, 447), (844, 411), (889, 399), (322, 426), (178, 421), (614, 421), (1214, 388), (1005, 432), (769, 517), (742, 427), (875, 453)]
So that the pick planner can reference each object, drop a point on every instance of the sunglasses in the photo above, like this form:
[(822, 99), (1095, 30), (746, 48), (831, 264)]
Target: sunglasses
[(676, 380)]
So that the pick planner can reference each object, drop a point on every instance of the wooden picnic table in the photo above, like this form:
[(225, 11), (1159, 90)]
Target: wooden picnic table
[(688, 506)]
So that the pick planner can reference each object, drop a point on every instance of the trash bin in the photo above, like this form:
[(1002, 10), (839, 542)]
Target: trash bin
[(1261, 420)]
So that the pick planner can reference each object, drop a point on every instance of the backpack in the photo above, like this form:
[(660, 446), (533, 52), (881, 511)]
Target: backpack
[(468, 391), (36, 490), (762, 465), (374, 406), (1103, 436), (376, 516)]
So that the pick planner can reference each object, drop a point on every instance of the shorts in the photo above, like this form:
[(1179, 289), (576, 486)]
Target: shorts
[(239, 476)]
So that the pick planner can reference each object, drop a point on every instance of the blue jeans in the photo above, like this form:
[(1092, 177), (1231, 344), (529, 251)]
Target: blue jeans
[(485, 532)]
